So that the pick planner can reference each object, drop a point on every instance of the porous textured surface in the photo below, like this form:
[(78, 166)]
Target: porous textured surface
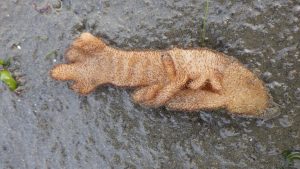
[(198, 79)]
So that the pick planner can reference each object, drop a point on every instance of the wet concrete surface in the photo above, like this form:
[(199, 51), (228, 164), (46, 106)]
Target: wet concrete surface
[(49, 126)]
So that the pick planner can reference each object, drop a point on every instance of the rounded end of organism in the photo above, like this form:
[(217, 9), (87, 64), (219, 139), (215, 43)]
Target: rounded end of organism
[(54, 72), (268, 111), (271, 112)]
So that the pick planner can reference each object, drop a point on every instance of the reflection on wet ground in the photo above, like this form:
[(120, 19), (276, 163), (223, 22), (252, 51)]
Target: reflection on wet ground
[(49, 126)]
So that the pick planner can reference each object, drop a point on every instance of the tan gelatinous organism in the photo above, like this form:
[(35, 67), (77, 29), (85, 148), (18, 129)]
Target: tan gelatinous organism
[(180, 79)]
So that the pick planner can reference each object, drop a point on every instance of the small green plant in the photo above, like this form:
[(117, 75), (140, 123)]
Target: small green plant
[(290, 156), (203, 36), (6, 77), (5, 62), (51, 54)]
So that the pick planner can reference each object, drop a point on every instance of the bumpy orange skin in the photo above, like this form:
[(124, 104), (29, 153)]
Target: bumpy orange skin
[(180, 79)]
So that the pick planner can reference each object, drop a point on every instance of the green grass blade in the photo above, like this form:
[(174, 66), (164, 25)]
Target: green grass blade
[(7, 78), (294, 156), (290, 156), (6, 62)]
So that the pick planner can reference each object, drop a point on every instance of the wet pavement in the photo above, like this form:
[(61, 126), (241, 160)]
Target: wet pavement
[(47, 125)]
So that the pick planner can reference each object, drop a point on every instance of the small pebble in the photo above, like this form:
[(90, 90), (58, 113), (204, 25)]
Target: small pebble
[(296, 9), (285, 121), (267, 75)]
